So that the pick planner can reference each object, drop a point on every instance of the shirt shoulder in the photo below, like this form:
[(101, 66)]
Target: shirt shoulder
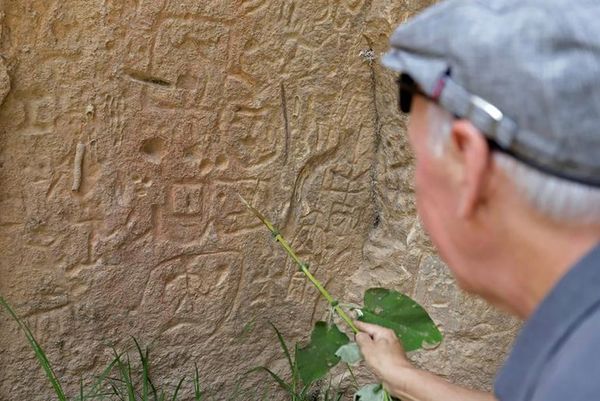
[(557, 352), (572, 372)]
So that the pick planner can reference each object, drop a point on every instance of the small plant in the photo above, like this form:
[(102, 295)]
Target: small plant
[(120, 380), (39, 352), (124, 388), (329, 345), (298, 388)]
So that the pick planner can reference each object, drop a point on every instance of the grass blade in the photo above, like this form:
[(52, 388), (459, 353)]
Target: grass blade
[(177, 389), (115, 390), (97, 386), (129, 381), (125, 371), (275, 377), (145, 370), (288, 356), (39, 352), (197, 392)]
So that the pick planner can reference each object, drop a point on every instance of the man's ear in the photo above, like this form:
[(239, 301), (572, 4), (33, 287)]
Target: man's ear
[(473, 154)]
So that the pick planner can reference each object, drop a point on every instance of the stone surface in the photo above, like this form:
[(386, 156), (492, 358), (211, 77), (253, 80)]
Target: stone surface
[(181, 105)]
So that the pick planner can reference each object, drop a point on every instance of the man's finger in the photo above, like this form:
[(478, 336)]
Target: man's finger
[(371, 329), (362, 338)]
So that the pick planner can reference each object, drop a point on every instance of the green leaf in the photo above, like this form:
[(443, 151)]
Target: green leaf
[(371, 392), (349, 353), (318, 357), (408, 319)]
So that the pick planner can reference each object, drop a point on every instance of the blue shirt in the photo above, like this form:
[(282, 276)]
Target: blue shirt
[(556, 357)]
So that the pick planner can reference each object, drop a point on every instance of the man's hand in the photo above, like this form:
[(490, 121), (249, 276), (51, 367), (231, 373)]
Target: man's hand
[(383, 354), (386, 358)]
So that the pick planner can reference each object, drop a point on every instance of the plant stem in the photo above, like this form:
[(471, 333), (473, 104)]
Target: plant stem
[(353, 377), (303, 266)]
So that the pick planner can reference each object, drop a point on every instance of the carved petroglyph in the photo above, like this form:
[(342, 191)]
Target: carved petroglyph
[(195, 79), (187, 199), (286, 123), (114, 108), (141, 185), (4, 81), (40, 115), (78, 166), (194, 287), (147, 79)]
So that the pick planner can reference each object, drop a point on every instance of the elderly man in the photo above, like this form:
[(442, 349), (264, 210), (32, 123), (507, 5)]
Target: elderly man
[(504, 97)]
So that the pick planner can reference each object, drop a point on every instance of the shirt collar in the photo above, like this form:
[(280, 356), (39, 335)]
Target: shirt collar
[(566, 305)]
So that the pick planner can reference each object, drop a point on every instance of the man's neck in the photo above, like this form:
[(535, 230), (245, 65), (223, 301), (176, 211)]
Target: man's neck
[(542, 253)]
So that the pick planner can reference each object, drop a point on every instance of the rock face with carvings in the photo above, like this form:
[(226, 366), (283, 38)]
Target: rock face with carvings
[(127, 129)]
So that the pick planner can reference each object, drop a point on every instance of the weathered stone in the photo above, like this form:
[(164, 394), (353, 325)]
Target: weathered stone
[(181, 105), (4, 81)]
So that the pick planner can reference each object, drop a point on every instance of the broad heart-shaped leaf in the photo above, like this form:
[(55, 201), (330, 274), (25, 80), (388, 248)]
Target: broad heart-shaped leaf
[(350, 354), (315, 359), (408, 319), (371, 392)]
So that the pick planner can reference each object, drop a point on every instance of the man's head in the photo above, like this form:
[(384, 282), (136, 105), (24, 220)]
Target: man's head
[(506, 133), (525, 73)]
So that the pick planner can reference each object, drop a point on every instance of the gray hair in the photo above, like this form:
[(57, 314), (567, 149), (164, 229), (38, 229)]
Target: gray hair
[(559, 199)]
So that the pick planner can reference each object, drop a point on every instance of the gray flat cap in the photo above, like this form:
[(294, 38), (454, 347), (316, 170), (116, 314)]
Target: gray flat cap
[(525, 72)]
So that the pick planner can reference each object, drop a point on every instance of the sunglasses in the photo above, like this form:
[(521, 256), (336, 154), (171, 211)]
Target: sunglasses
[(408, 88)]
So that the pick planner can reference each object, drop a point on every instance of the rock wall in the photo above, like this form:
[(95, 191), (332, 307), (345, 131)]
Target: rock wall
[(127, 129)]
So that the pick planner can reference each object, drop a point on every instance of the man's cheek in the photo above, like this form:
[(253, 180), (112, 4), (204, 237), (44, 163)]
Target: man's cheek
[(422, 181), (423, 201)]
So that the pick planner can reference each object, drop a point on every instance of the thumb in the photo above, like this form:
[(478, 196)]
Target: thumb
[(363, 340)]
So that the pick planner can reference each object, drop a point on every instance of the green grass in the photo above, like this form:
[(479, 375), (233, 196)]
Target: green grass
[(123, 380), (293, 386), (39, 352), (119, 381)]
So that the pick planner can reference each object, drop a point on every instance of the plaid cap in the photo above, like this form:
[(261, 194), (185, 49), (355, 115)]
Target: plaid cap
[(526, 73)]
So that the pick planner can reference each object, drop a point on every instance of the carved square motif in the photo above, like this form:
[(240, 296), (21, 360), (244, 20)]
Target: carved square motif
[(187, 199), (43, 111)]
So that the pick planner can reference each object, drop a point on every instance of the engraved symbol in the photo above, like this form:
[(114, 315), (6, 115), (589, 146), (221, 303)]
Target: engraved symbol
[(187, 199)]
